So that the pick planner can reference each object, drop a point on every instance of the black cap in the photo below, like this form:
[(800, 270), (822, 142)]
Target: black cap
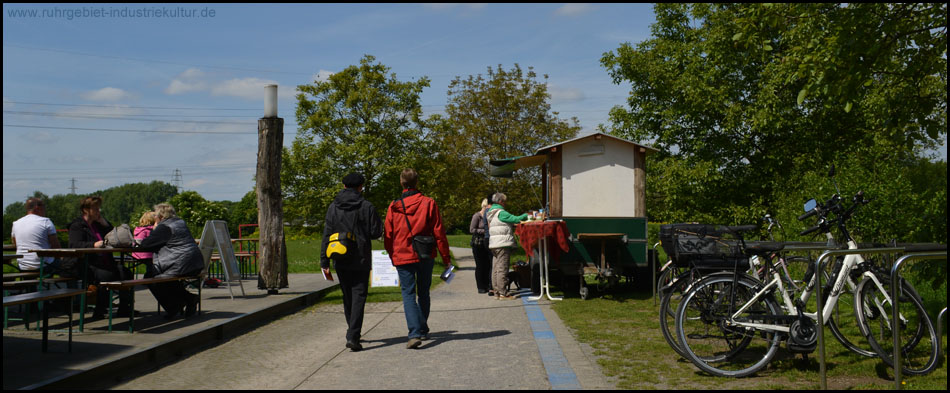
[(353, 180)]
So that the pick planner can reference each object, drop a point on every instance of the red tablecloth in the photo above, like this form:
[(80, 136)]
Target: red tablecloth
[(529, 233)]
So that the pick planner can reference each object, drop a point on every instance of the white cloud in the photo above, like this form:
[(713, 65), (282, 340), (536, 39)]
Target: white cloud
[(108, 94), (190, 80), (195, 80), (250, 88), (565, 94), (322, 76), (572, 9)]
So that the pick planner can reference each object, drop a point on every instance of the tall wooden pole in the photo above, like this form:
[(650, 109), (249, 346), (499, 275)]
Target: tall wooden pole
[(270, 141)]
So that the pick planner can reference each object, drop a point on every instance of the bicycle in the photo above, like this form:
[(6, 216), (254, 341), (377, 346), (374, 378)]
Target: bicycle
[(676, 279), (733, 326)]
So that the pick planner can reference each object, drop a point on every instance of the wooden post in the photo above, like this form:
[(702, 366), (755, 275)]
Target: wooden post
[(273, 261)]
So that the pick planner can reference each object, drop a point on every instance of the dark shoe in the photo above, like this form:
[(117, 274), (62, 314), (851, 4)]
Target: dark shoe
[(172, 314), (354, 346), (491, 293), (192, 307), (125, 314), (96, 316), (413, 343), (482, 291)]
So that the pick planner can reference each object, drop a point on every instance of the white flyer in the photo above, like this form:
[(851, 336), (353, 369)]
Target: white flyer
[(384, 273)]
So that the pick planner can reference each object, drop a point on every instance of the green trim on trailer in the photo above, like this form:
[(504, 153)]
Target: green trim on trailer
[(631, 255)]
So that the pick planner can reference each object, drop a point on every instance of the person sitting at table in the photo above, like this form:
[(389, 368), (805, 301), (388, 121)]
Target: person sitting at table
[(500, 241), (146, 224), (88, 231), (35, 231), (175, 255)]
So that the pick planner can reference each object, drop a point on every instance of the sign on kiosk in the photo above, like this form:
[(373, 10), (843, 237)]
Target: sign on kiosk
[(384, 273)]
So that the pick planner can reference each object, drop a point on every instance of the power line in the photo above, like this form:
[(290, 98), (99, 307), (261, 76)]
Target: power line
[(132, 130), (135, 107), (113, 117), (156, 61)]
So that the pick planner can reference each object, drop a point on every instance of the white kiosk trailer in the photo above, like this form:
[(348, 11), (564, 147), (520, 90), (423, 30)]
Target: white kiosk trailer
[(596, 184)]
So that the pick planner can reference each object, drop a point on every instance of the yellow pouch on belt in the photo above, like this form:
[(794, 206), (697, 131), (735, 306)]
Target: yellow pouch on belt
[(340, 243)]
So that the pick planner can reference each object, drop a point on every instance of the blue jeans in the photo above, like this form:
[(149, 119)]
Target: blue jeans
[(415, 279)]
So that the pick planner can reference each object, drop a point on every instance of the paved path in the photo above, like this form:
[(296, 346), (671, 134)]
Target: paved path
[(476, 342)]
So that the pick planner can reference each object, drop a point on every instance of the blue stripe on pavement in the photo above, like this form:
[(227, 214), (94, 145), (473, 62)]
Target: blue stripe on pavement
[(560, 374)]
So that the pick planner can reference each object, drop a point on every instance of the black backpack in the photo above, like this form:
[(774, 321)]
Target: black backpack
[(343, 245)]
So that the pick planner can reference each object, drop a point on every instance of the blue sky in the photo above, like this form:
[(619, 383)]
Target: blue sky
[(196, 74), (71, 70)]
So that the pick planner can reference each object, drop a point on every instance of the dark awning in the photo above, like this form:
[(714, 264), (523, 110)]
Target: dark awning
[(507, 166)]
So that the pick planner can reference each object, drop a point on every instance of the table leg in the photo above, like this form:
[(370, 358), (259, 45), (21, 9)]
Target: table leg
[(45, 325)]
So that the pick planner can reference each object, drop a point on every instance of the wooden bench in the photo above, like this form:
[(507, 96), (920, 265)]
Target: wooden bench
[(16, 276), (22, 284), (43, 296), (129, 285)]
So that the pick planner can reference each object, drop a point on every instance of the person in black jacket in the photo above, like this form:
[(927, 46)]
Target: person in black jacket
[(176, 255), (88, 231), (349, 212)]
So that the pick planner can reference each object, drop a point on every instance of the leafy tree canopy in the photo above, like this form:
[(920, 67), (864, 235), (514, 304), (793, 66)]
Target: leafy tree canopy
[(360, 119)]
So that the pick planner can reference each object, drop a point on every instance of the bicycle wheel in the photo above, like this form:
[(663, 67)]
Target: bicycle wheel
[(671, 294), (843, 321), (708, 336), (918, 339)]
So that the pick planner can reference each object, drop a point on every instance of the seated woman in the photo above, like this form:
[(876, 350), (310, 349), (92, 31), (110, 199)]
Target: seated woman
[(175, 255), (88, 231)]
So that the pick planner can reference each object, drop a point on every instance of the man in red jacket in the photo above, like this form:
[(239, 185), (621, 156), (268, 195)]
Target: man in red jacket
[(414, 214)]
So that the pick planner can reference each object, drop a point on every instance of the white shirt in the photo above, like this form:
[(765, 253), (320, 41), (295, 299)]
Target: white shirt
[(32, 232)]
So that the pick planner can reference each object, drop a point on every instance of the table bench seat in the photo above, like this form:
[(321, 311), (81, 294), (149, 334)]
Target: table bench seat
[(43, 296), (131, 284), (15, 276), (28, 283)]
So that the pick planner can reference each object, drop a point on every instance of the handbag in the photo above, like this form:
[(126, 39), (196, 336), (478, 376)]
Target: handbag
[(120, 237), (423, 245)]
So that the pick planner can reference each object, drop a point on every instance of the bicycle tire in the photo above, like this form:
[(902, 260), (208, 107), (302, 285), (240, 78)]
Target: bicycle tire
[(919, 341), (710, 343), (671, 294), (845, 327)]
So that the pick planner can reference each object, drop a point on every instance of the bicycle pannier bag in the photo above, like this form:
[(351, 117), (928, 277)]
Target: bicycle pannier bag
[(701, 246)]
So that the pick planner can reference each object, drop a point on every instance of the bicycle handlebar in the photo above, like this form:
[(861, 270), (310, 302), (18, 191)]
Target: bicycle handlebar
[(807, 214), (810, 230)]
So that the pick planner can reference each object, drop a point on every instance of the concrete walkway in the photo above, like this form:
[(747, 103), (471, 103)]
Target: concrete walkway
[(476, 342)]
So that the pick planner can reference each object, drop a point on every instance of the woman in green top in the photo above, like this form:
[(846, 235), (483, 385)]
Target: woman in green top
[(500, 241)]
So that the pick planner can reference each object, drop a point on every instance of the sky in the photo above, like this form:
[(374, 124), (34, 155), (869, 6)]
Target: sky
[(96, 96)]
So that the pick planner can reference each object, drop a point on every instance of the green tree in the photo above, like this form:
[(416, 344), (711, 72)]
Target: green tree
[(763, 94), (503, 114), (195, 210), (243, 212), (360, 119)]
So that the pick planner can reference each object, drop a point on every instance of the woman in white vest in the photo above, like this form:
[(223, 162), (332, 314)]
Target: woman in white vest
[(501, 240)]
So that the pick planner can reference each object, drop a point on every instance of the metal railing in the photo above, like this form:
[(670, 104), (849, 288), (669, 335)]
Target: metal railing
[(895, 291)]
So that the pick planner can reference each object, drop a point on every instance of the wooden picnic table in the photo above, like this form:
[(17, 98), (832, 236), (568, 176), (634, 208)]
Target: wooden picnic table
[(80, 253)]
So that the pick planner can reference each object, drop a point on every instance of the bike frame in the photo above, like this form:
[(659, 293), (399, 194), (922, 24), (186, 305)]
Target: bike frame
[(844, 278)]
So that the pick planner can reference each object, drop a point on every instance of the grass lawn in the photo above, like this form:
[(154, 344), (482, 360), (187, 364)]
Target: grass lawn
[(623, 329)]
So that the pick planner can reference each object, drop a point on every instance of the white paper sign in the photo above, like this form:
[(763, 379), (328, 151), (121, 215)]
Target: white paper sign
[(384, 273)]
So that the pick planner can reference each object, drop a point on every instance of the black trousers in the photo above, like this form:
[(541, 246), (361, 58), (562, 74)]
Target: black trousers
[(483, 262), (102, 295), (355, 286), (172, 295)]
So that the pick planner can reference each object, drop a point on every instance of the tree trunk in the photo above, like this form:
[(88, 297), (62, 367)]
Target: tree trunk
[(273, 265)]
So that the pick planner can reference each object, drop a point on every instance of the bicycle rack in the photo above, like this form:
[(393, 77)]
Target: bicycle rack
[(895, 291), (656, 258), (821, 323)]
